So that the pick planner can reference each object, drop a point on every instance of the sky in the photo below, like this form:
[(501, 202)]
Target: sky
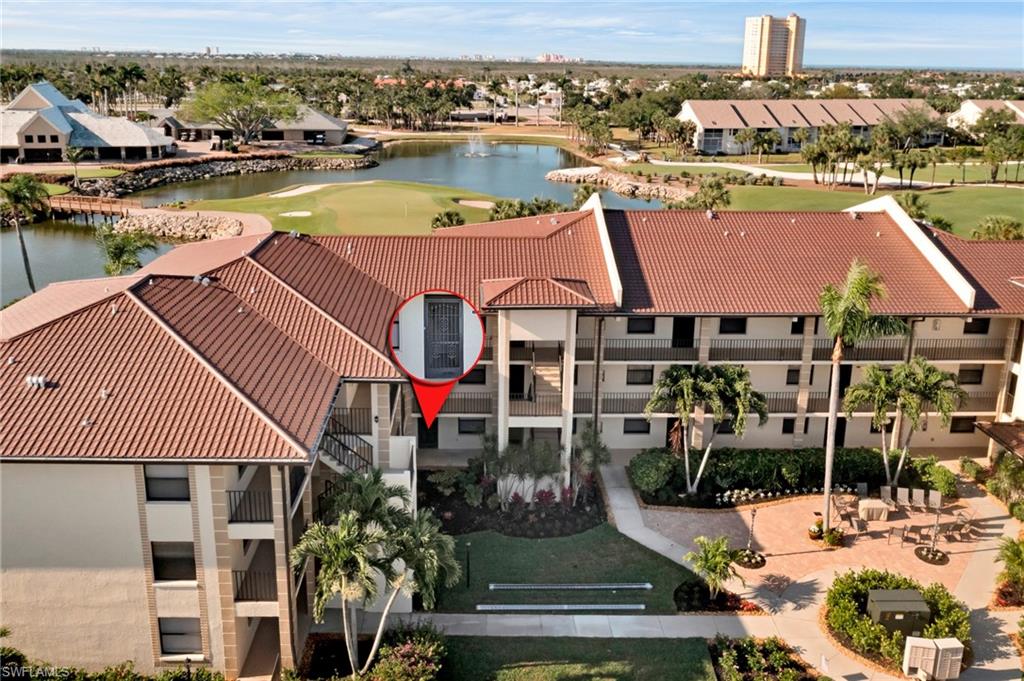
[(839, 32)]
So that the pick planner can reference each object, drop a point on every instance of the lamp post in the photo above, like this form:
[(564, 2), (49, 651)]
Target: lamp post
[(468, 544)]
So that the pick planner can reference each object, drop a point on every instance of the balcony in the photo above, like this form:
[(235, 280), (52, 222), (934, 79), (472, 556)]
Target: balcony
[(624, 403), (355, 419), (584, 349), (547, 352), (583, 403), (781, 402), (250, 506), (982, 403), (892, 349), (468, 403), (756, 349), (647, 349), (545, 404), (817, 402), (943, 349), (254, 585)]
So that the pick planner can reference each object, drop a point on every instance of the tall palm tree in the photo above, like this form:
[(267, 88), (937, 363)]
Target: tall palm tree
[(846, 310), (913, 205), (371, 497), (350, 559), (745, 138), (24, 196), (122, 249), (74, 156), (879, 389), (923, 388)]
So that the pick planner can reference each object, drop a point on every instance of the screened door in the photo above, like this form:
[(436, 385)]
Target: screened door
[(442, 337)]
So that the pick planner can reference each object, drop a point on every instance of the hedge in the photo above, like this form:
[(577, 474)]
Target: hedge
[(847, 617)]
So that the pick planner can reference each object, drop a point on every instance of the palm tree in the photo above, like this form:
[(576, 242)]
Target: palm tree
[(122, 249), (847, 313), (913, 205), (923, 388), (936, 155), (74, 156), (998, 227), (880, 390), (371, 497), (713, 561), (745, 138), (588, 453), (447, 218), (711, 195), (765, 142), (349, 557), (814, 155), (581, 194), (24, 196), (1011, 555)]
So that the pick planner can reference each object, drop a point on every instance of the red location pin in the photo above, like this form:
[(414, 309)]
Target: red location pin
[(436, 338)]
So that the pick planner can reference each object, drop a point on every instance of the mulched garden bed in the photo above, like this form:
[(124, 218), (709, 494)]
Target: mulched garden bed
[(693, 596), (754, 659), (325, 656), (1006, 597), (458, 517)]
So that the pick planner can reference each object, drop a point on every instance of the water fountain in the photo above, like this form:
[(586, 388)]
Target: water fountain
[(477, 147)]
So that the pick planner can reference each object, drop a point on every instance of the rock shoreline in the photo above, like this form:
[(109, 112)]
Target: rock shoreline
[(620, 183), (134, 181), (184, 227)]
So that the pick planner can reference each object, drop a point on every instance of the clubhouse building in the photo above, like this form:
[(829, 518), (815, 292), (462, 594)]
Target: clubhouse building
[(167, 435)]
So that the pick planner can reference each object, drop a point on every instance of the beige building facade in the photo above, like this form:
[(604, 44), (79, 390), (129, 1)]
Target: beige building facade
[(773, 46)]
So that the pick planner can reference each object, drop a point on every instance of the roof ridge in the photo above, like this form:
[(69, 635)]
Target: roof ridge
[(228, 383), (69, 313)]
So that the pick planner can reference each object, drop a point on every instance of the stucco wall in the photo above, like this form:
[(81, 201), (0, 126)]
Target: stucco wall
[(72, 582)]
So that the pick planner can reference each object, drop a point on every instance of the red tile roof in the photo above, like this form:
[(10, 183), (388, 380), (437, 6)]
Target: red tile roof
[(1009, 435), (993, 268), (681, 262), (56, 300), (535, 292)]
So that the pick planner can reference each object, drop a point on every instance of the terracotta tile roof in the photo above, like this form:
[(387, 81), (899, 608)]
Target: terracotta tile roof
[(798, 113), (1016, 107), (991, 267), (535, 292), (320, 334), (291, 385), (1009, 435), (755, 113), (200, 257), (535, 226), (765, 263), (57, 300), (161, 401)]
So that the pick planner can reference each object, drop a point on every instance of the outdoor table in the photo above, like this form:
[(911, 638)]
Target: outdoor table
[(872, 509)]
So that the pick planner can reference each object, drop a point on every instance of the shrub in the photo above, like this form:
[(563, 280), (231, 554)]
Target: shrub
[(545, 498), (410, 654), (847, 614), (936, 476), (474, 496), (751, 658), (446, 482), (1017, 510), (971, 469), (650, 469)]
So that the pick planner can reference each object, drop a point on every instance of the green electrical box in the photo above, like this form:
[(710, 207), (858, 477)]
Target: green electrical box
[(901, 610)]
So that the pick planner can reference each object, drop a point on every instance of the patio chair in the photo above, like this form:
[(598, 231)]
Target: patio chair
[(934, 500), (862, 490), (918, 500), (858, 525), (911, 535), (885, 493), (894, 531), (903, 497)]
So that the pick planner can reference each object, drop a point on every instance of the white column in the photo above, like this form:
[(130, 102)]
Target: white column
[(501, 366), (568, 371)]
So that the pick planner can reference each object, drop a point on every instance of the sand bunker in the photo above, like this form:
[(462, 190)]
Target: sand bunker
[(486, 205), (296, 214), (297, 191)]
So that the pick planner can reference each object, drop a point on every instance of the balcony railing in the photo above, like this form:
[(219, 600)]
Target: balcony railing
[(624, 403), (583, 403), (585, 349), (346, 448), (488, 352), (877, 350), (250, 506), (781, 402), (254, 585), (647, 349), (939, 349), (355, 419), (977, 402), (755, 349), (817, 402), (467, 403), (546, 404)]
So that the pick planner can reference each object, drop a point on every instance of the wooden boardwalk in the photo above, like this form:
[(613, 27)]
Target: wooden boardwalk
[(92, 205)]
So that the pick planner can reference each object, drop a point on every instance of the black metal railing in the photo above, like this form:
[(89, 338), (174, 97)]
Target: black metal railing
[(346, 448), (585, 349), (891, 349), (817, 402), (624, 403), (468, 403), (583, 403), (977, 402), (355, 419), (938, 349), (254, 585), (781, 402), (755, 350), (648, 349), (250, 506), (545, 404), (488, 352)]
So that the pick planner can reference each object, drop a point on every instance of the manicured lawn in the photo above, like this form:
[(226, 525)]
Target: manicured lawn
[(378, 207), (598, 555), (54, 189), (88, 173), (974, 172), (693, 169), (571, 659), (963, 206)]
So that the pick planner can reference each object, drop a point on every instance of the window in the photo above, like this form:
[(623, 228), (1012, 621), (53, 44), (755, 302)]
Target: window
[(796, 327), (889, 425), (28, 139), (576, 375), (640, 375), (166, 482), (640, 325), (53, 139), (971, 374), (471, 426), (476, 376), (395, 335), (726, 427), (636, 426), (173, 561), (180, 636), (793, 376), (788, 426), (962, 424), (978, 325), (732, 325)]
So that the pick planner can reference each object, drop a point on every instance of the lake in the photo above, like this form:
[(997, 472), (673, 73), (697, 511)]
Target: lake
[(63, 250)]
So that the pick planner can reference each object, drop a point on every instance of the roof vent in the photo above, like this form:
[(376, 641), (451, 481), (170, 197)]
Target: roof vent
[(35, 381), (643, 219), (150, 281), (348, 248), (240, 310), (878, 234), (709, 214), (11, 360), (294, 234), (113, 309), (855, 215), (86, 422), (205, 281), (104, 393), (553, 221), (725, 233), (197, 279), (792, 221), (252, 290), (743, 233)]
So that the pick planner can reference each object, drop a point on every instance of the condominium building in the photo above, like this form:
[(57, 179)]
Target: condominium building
[(971, 110), (167, 435), (773, 46), (718, 121)]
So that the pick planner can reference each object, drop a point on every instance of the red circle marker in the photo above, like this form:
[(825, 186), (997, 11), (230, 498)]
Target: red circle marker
[(431, 393)]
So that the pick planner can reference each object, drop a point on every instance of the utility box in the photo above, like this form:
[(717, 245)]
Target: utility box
[(902, 610), (938, 659)]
